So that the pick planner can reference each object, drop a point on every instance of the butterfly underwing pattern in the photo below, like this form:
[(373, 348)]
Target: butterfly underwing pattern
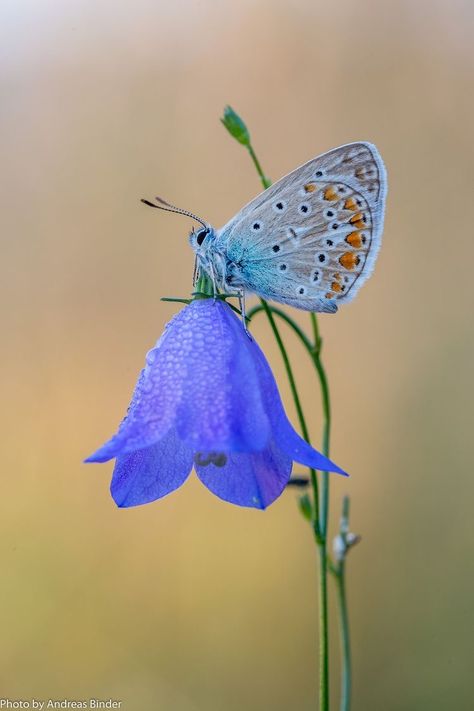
[(310, 240)]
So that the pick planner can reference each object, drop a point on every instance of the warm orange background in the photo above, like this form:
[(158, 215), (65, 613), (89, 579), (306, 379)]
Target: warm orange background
[(190, 604)]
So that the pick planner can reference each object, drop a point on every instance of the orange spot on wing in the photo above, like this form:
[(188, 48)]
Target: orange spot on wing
[(330, 193), (354, 239), (350, 204), (336, 287), (349, 260), (309, 188), (329, 295), (337, 277), (358, 220)]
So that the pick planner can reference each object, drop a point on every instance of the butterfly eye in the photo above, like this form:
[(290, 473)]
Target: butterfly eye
[(201, 236)]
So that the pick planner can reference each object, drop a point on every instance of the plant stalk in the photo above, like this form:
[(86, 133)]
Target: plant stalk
[(320, 505)]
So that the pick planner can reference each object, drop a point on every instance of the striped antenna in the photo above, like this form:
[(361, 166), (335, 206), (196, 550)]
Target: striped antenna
[(171, 208)]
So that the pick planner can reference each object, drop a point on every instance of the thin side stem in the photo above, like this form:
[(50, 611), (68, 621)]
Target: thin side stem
[(343, 543), (315, 327), (323, 518), (323, 381), (288, 368), (294, 391), (324, 507), (345, 637), (284, 317)]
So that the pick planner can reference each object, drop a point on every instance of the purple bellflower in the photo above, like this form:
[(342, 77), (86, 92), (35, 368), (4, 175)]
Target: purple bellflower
[(207, 398)]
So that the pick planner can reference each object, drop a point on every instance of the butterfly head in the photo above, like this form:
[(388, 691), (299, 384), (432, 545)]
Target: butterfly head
[(209, 260), (201, 239)]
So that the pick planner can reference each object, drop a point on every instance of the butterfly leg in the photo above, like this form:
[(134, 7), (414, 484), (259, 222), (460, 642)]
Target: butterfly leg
[(213, 279), (195, 272)]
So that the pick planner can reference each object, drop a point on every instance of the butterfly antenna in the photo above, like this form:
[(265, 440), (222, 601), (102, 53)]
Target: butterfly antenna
[(171, 208)]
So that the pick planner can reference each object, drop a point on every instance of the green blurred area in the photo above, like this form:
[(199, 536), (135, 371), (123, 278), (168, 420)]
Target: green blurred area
[(190, 604)]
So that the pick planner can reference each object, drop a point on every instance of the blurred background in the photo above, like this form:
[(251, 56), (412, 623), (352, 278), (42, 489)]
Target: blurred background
[(190, 604)]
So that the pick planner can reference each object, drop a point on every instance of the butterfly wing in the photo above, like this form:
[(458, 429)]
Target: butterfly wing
[(312, 238)]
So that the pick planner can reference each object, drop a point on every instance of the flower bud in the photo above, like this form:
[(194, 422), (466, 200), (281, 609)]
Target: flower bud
[(236, 126), (306, 508)]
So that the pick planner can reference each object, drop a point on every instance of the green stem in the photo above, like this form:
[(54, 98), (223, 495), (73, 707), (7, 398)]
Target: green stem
[(294, 391), (323, 381), (345, 638), (324, 512), (284, 317), (266, 182), (320, 509), (323, 521), (320, 531), (323, 629), (324, 508), (315, 326), (289, 371)]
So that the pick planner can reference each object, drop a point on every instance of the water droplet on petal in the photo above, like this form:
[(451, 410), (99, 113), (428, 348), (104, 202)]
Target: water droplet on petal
[(151, 356)]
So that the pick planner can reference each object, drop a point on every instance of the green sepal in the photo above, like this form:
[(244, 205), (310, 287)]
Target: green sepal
[(175, 300)]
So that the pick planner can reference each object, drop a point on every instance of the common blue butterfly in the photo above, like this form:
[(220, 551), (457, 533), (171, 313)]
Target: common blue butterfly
[(310, 240)]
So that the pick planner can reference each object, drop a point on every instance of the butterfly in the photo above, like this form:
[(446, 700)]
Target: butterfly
[(309, 241)]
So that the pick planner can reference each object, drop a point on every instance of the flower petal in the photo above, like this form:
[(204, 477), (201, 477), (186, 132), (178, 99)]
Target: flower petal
[(287, 438), (201, 377), (252, 479), (150, 473), (221, 408), (152, 410)]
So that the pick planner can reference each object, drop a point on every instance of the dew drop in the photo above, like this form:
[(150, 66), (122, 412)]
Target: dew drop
[(151, 357)]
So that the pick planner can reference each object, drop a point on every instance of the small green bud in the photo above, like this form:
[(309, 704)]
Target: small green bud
[(306, 507), (236, 126)]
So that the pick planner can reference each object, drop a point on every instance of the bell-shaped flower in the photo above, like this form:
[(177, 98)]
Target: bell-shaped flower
[(206, 398)]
